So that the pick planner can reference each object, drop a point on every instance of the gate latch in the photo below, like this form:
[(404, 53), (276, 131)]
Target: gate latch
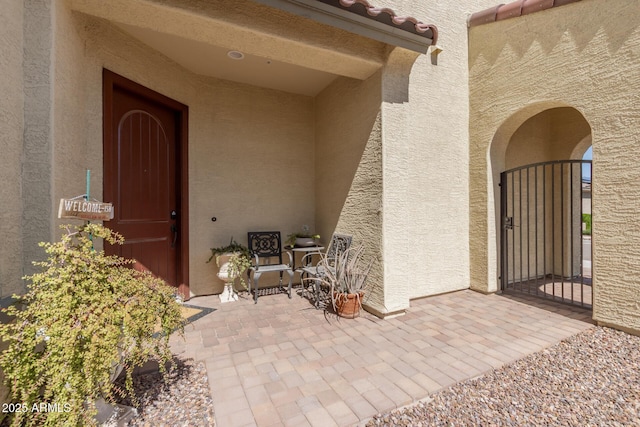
[(508, 223)]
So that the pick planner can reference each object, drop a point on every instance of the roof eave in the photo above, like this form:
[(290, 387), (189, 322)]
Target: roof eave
[(354, 23)]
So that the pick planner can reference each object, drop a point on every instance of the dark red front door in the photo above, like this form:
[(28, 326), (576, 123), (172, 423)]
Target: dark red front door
[(142, 164)]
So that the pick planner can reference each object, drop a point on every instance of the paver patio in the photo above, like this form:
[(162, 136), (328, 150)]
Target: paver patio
[(282, 362)]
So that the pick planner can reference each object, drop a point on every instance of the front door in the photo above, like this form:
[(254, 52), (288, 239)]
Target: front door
[(144, 139)]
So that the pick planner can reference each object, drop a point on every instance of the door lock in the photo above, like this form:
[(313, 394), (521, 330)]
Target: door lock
[(508, 223)]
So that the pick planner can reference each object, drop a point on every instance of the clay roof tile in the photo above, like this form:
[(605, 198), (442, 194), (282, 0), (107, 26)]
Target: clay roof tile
[(513, 10), (387, 16)]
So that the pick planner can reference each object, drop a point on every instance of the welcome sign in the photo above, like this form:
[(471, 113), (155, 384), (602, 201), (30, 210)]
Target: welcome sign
[(85, 209)]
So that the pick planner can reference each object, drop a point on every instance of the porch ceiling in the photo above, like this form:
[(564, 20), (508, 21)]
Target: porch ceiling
[(281, 51), (210, 60)]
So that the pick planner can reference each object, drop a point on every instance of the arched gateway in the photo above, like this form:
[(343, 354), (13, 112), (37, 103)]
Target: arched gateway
[(541, 197), (545, 250)]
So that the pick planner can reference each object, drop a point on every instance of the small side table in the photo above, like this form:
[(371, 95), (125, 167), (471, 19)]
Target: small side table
[(302, 249)]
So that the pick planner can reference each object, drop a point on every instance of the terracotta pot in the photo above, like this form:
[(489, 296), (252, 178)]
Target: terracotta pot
[(348, 305)]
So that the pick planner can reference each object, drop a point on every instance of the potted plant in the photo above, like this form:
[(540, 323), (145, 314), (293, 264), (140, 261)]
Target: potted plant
[(303, 239), (233, 261), (345, 276), (85, 314)]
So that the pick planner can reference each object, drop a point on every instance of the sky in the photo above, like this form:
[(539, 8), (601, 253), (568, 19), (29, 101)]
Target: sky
[(586, 169)]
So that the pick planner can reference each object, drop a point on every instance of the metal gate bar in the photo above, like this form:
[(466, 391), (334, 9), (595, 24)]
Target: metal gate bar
[(541, 243)]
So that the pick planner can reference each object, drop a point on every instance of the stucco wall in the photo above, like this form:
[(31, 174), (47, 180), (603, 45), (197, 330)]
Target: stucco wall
[(77, 145), (348, 186), (550, 135), (36, 171), (583, 55), (11, 131), (250, 149), (424, 130), (426, 161)]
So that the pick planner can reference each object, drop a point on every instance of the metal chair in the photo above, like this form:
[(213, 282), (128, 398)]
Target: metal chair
[(339, 243), (265, 246)]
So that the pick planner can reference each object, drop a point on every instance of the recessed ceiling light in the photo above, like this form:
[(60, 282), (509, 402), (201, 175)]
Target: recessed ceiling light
[(235, 54)]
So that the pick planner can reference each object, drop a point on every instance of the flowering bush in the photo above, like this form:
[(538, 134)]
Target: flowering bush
[(84, 314)]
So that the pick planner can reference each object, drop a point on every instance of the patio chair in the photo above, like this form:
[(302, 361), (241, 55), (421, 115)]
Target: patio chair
[(266, 247), (339, 243)]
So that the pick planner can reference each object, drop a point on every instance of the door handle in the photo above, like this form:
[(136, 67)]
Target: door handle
[(174, 230)]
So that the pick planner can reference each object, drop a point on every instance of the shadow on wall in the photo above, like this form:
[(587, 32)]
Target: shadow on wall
[(558, 23), (347, 116), (349, 163)]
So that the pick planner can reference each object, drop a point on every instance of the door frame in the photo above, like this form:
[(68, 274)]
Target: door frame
[(110, 80)]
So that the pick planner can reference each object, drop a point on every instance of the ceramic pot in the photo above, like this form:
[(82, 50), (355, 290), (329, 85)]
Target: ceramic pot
[(229, 294), (305, 241), (348, 305)]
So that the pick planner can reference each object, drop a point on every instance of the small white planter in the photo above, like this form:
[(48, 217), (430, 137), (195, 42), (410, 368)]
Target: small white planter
[(229, 294)]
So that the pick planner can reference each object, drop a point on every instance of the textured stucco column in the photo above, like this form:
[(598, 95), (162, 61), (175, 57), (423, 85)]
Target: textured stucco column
[(37, 171), (11, 131), (348, 164), (396, 152), (361, 184)]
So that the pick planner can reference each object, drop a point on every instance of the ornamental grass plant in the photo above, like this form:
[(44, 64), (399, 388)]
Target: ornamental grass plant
[(84, 315), (345, 276)]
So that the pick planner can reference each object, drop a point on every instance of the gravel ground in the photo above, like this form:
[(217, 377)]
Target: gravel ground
[(590, 379), (184, 400)]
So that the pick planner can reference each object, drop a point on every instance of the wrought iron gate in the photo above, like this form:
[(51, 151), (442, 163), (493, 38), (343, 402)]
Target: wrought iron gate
[(543, 249)]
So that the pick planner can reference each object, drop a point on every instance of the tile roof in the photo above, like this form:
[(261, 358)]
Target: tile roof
[(513, 10), (387, 16)]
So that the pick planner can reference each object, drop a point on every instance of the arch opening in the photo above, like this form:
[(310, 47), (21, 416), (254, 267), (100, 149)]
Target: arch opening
[(537, 170)]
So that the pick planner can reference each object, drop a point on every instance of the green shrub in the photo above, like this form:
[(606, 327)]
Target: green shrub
[(586, 218), (84, 314)]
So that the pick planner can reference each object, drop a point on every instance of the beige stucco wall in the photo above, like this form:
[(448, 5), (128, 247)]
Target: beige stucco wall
[(348, 184), (585, 56), (250, 149), (11, 132), (36, 169), (77, 145), (425, 160), (423, 127), (550, 135)]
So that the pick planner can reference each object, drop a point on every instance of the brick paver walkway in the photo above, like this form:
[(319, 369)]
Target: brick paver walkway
[(282, 362)]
